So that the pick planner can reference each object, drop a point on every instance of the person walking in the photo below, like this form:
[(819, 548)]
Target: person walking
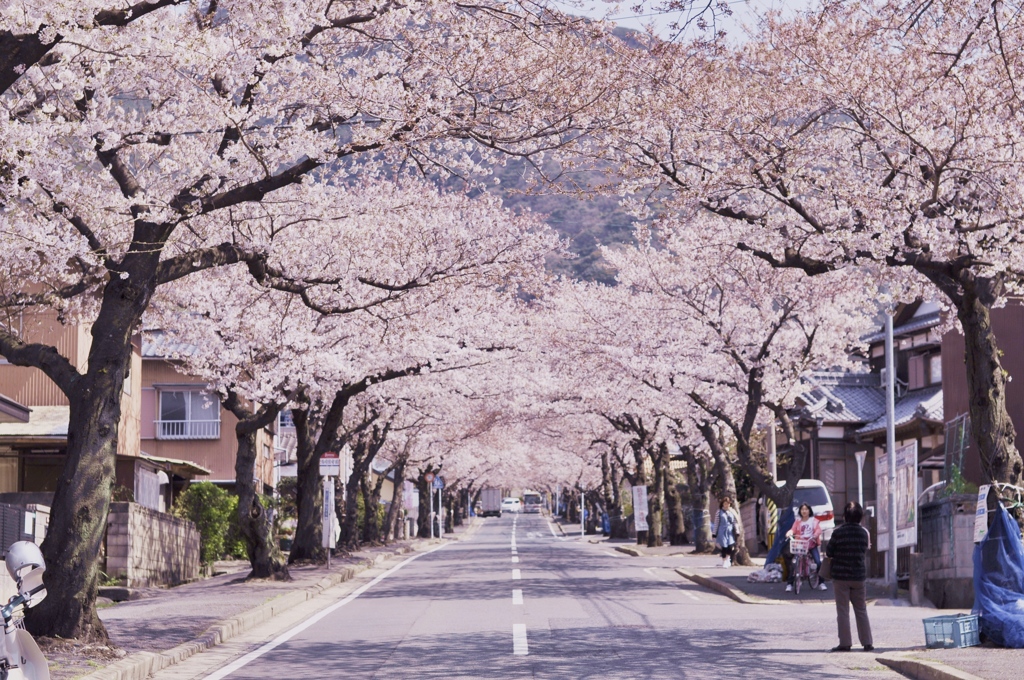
[(725, 530), (848, 549)]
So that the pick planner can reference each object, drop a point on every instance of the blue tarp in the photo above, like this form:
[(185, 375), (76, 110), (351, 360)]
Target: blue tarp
[(785, 524), (999, 582)]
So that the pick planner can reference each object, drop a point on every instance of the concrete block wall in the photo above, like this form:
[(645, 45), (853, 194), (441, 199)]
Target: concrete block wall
[(945, 541), (149, 548)]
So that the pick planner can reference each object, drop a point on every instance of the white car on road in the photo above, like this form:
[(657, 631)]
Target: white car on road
[(511, 505)]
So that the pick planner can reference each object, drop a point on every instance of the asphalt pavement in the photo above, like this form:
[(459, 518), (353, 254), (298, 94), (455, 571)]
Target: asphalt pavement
[(518, 599)]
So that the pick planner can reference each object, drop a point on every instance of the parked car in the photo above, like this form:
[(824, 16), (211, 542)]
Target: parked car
[(810, 491), (511, 505), (532, 502)]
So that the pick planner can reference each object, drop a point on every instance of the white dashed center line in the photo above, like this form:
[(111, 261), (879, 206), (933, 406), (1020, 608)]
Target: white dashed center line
[(517, 596), (519, 645), (516, 575), (515, 559)]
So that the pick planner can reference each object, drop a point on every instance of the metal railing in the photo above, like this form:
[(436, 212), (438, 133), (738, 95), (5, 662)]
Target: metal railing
[(188, 429)]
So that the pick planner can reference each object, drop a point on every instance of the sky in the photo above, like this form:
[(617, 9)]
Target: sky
[(744, 14)]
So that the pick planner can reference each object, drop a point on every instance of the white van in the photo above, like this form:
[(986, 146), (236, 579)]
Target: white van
[(810, 491)]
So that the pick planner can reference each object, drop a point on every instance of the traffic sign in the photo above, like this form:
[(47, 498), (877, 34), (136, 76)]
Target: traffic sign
[(429, 477), (330, 464), (438, 483)]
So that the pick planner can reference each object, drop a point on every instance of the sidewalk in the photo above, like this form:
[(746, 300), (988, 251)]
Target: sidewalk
[(970, 663), (187, 619)]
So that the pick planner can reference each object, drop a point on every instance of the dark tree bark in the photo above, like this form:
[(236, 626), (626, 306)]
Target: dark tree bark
[(659, 458), (313, 442), (674, 501), (640, 444), (698, 478), (367, 441), (308, 541), (723, 472), (255, 520), (424, 518), (391, 524)]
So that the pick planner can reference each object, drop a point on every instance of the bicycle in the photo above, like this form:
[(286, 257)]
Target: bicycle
[(801, 549)]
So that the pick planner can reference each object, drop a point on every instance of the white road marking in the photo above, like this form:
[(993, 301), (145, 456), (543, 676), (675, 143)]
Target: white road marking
[(613, 553), (284, 637), (514, 551), (653, 571), (516, 574), (517, 596), (515, 559), (519, 644)]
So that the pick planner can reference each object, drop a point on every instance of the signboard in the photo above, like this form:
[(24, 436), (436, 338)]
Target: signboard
[(438, 483), (906, 497), (330, 465), (327, 517), (429, 477), (981, 514), (640, 508)]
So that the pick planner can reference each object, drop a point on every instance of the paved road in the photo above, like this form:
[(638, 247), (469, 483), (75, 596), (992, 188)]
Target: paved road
[(517, 601)]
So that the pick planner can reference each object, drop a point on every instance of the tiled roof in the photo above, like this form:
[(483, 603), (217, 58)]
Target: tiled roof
[(157, 344), (915, 324), (849, 398), (43, 421), (923, 404)]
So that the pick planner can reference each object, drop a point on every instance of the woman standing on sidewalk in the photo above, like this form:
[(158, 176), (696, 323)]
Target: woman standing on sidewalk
[(848, 549), (724, 530)]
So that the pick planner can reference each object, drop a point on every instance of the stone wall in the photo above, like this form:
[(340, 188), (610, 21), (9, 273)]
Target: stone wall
[(149, 548), (945, 540)]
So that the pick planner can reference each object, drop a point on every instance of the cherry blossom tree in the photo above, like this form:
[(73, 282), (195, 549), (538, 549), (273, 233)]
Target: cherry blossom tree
[(144, 144), (813, 150)]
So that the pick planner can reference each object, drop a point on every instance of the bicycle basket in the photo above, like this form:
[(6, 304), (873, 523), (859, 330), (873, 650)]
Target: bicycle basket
[(799, 546)]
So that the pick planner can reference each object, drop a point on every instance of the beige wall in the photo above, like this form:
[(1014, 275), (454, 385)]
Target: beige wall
[(30, 386), (217, 455), (150, 548)]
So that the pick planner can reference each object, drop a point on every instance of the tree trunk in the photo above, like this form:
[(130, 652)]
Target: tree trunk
[(424, 520), (723, 472), (655, 495), (991, 427), (397, 499), (254, 518), (78, 517), (674, 501), (308, 542), (698, 480)]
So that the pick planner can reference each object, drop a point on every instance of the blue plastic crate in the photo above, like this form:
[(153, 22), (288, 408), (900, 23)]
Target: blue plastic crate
[(953, 630)]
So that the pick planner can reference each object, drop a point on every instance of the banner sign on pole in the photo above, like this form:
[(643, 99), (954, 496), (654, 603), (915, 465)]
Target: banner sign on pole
[(640, 508), (327, 518), (906, 497), (981, 514), (330, 464)]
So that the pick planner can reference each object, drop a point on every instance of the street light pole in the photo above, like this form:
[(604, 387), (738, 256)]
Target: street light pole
[(890, 446), (861, 457)]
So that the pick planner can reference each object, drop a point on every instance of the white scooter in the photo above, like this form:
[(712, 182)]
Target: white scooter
[(22, 658)]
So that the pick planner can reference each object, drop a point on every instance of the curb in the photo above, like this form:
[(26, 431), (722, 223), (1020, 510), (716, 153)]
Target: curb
[(722, 587), (633, 552), (141, 665), (922, 669)]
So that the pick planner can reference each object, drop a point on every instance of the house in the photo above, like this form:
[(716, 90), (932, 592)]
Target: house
[(183, 421), (841, 414), (34, 425)]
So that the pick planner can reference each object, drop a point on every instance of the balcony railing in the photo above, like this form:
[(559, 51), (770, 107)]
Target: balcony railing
[(188, 429)]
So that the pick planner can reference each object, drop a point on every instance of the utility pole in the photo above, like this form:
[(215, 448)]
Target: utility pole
[(890, 446)]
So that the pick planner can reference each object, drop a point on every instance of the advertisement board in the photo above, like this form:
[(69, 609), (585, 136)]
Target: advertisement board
[(906, 497)]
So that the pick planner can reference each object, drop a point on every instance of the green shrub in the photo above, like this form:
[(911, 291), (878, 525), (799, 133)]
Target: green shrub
[(212, 510)]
